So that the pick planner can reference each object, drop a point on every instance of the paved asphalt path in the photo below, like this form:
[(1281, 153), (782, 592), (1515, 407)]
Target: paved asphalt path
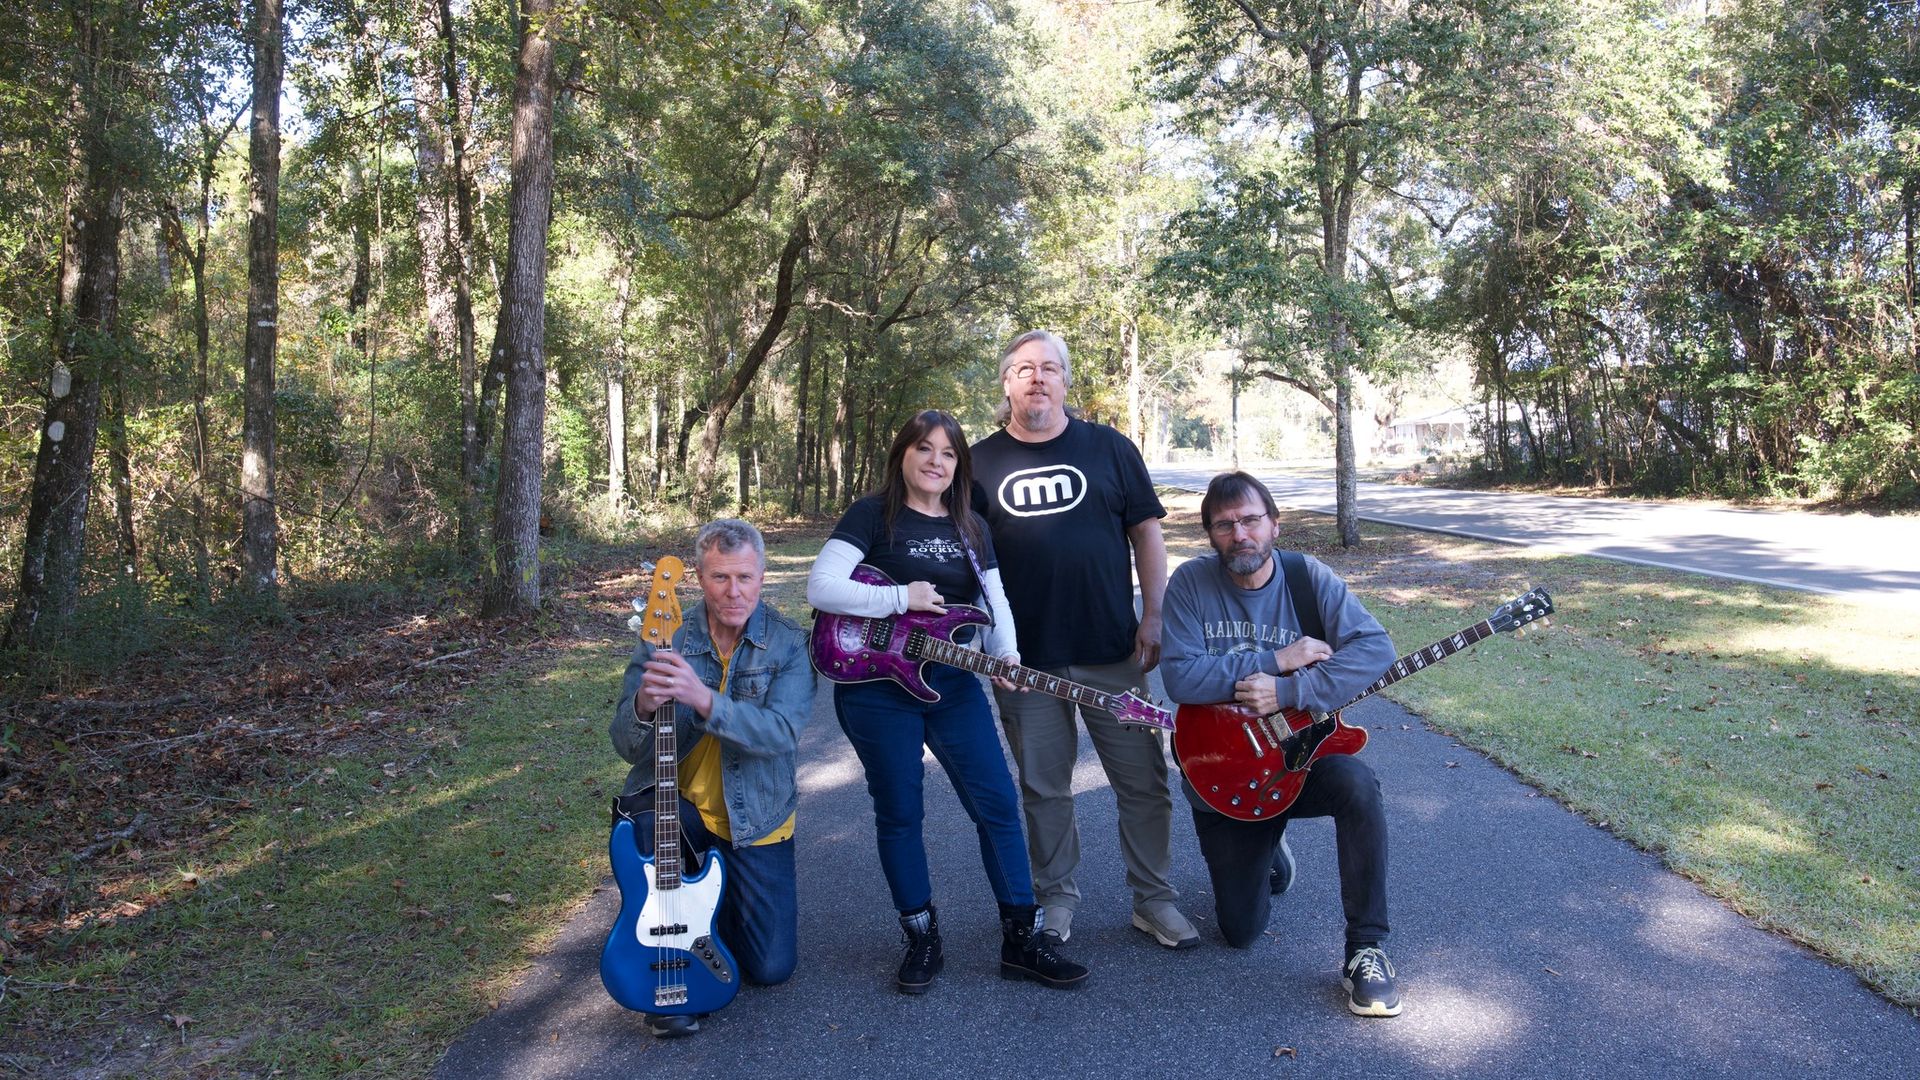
[(1529, 943), (1858, 555)]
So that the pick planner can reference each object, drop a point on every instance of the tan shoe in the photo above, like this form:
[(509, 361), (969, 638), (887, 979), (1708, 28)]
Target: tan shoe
[(1164, 921)]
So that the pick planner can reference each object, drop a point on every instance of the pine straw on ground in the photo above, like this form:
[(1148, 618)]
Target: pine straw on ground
[(156, 760)]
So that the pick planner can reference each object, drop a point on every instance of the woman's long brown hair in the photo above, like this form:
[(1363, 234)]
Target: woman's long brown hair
[(958, 498)]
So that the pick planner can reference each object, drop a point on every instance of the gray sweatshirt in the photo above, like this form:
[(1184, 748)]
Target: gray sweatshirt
[(1216, 633)]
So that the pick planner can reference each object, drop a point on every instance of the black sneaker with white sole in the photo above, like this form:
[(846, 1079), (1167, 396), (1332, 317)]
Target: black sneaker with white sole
[(1280, 878), (1368, 978)]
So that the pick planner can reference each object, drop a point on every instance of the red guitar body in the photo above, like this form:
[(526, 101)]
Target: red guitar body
[(1252, 767)]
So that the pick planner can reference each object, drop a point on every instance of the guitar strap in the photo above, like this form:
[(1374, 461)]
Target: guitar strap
[(1306, 606)]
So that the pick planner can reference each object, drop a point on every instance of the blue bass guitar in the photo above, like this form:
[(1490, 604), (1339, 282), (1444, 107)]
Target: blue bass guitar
[(662, 956)]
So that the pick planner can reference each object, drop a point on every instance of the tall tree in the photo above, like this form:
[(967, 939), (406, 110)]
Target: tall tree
[(1362, 96), (260, 526), (102, 39), (513, 586)]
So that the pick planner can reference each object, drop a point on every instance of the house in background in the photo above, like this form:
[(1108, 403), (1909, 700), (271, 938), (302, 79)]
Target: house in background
[(1443, 432)]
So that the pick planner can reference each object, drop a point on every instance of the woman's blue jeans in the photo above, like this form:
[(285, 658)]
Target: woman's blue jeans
[(887, 727)]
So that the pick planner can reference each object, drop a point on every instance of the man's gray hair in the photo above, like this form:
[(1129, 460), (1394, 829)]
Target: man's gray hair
[(727, 535), (1059, 346)]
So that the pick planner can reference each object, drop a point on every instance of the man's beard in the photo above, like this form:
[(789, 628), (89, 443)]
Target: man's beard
[(1035, 417), (1244, 563)]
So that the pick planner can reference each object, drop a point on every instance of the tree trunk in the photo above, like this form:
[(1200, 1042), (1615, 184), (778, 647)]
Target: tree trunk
[(1907, 199), (657, 429), (746, 450), (798, 238), (1233, 420), (361, 287), (259, 518), (452, 258), (86, 312), (1130, 364), (617, 395), (800, 419), (513, 587), (120, 470)]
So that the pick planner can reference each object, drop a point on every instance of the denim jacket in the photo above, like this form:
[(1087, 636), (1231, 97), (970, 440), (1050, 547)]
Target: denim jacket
[(758, 721)]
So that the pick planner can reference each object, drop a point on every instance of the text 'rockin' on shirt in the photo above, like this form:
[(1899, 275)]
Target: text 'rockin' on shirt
[(1060, 511)]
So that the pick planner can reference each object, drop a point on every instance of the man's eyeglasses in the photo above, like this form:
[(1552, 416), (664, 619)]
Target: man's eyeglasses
[(1225, 526), (1025, 371)]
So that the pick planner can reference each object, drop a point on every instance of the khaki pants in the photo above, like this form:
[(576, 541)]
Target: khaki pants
[(1045, 741)]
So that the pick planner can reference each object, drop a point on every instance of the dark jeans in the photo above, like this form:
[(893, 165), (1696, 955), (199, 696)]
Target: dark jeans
[(1239, 854), (887, 727), (759, 912)]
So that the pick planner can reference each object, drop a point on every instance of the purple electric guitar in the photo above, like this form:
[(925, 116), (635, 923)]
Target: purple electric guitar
[(855, 648)]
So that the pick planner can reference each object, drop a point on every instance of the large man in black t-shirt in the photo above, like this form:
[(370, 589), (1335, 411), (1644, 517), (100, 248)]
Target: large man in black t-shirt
[(1073, 514)]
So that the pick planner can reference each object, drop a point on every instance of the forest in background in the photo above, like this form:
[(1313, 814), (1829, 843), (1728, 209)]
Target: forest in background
[(352, 292)]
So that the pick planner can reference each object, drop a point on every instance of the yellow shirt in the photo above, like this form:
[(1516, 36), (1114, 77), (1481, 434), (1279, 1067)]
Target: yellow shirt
[(702, 785)]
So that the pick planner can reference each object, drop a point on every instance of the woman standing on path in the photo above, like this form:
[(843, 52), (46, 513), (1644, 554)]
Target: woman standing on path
[(918, 528)]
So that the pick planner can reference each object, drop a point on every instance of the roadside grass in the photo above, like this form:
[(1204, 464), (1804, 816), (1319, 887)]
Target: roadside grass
[(1761, 741), (359, 919)]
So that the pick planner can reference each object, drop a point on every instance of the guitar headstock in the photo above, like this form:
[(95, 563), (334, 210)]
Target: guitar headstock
[(658, 612), (1129, 708), (1532, 606)]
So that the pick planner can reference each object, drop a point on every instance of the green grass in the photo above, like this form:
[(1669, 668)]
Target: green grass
[(1761, 741), (363, 915), (360, 920)]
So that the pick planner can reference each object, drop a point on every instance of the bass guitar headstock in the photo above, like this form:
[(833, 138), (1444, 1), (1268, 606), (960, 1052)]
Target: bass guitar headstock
[(1516, 614), (657, 614)]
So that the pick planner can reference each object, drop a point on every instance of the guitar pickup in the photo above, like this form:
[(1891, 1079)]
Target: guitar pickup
[(665, 931)]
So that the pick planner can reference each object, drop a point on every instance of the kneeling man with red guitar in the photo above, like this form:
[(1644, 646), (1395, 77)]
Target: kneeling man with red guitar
[(1242, 627)]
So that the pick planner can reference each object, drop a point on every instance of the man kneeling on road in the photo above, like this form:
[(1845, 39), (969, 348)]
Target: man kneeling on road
[(742, 685), (1233, 633)]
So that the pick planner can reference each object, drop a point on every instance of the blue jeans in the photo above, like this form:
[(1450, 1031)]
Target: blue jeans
[(759, 910), (887, 727)]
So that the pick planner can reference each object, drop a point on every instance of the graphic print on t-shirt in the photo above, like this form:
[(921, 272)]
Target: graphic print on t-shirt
[(1047, 489), (1242, 635), (934, 548)]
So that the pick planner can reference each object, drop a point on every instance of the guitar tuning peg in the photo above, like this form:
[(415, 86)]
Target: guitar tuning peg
[(1546, 622), (1519, 631)]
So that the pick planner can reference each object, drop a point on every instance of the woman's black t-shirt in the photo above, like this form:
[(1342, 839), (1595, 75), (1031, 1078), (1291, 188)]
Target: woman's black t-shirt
[(920, 548)]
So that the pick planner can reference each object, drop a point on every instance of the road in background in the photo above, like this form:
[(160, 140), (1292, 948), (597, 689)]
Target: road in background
[(1855, 555)]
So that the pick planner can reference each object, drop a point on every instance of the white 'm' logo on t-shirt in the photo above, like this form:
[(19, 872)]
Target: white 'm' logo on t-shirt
[(1049, 489)]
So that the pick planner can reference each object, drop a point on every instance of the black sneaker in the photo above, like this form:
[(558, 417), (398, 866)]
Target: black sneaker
[(1368, 978), (1280, 878), (671, 1027)]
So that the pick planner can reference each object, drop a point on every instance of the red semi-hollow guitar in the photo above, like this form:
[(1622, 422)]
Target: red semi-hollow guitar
[(1251, 767)]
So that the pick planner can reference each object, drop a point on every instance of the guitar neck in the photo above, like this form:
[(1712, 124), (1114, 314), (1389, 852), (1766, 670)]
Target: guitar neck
[(1432, 654), (946, 652), (666, 799)]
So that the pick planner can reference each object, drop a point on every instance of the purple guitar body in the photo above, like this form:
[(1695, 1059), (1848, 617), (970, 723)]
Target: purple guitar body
[(857, 648)]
